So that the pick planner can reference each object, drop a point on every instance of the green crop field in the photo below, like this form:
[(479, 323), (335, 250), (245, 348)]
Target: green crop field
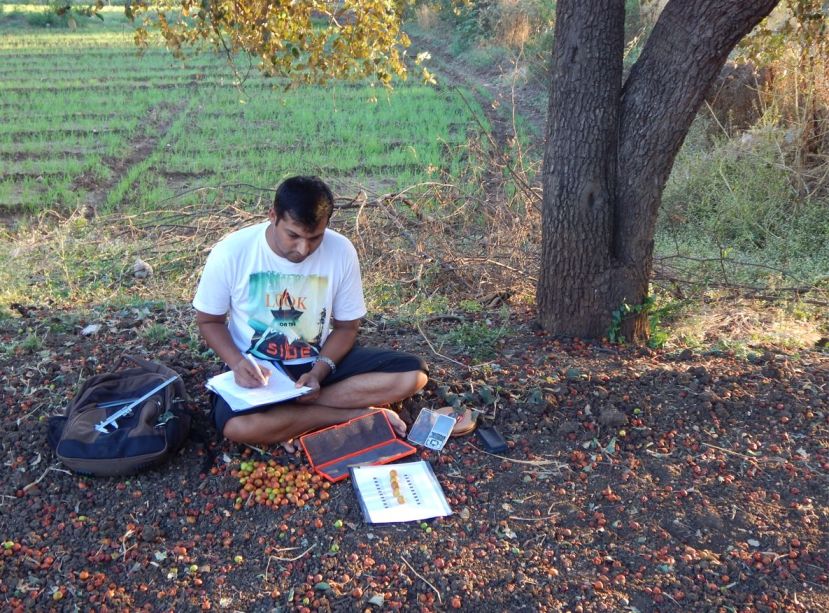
[(170, 154), (87, 120)]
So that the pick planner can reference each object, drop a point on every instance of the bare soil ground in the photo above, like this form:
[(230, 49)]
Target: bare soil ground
[(634, 480)]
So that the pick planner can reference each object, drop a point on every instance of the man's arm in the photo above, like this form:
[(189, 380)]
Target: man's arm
[(339, 342), (215, 333)]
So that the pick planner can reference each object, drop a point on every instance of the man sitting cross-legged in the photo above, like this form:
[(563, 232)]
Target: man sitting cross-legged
[(293, 291)]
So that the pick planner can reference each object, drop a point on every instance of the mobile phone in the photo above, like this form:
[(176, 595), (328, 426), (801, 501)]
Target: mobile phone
[(492, 440)]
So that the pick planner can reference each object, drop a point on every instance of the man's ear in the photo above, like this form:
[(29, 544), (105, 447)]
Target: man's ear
[(272, 214)]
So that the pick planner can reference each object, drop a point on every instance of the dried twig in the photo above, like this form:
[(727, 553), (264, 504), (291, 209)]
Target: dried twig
[(724, 450), (268, 565), (532, 518), (422, 578), (35, 410), (435, 351), (45, 472), (502, 265), (719, 260), (295, 558), (528, 462), (444, 317)]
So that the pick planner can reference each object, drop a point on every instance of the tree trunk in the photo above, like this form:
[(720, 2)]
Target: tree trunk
[(579, 177), (610, 149)]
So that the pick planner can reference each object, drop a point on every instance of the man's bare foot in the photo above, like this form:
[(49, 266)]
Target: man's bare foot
[(289, 446), (397, 424)]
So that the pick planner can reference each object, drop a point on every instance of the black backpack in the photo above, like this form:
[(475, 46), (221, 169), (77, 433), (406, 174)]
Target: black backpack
[(124, 421)]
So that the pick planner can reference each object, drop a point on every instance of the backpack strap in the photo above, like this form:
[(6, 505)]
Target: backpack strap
[(126, 359), (154, 367)]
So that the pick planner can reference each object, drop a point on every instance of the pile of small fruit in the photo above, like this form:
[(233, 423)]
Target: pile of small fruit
[(274, 485)]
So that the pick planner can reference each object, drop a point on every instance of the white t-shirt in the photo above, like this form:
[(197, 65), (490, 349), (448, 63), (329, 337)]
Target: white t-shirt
[(280, 309)]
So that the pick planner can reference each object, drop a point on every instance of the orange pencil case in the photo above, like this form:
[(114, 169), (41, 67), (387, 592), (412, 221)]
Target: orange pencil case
[(368, 439)]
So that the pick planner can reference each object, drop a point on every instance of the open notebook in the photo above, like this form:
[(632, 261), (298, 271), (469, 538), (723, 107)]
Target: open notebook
[(280, 387)]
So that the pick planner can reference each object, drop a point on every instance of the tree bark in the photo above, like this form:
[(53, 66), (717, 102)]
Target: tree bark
[(610, 150), (580, 166)]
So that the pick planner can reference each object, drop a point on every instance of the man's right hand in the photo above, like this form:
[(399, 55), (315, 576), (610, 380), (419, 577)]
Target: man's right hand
[(245, 374), (217, 336)]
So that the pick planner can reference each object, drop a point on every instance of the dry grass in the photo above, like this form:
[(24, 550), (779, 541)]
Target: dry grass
[(430, 244), (428, 241), (436, 241), (427, 17), (514, 25), (740, 323), (649, 10), (74, 260), (797, 101)]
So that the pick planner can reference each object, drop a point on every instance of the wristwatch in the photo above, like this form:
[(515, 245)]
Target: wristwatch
[(326, 360)]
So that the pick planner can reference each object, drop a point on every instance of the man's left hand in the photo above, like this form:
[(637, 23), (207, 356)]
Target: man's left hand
[(308, 380)]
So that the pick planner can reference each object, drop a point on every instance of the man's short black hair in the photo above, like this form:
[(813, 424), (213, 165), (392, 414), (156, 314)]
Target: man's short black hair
[(308, 200)]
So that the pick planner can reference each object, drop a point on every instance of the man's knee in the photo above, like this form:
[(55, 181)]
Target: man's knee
[(263, 428), (412, 382), (240, 430)]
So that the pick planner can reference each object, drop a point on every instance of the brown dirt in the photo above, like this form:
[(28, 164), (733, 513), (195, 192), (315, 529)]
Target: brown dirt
[(22, 176), (18, 156), (58, 132), (156, 125), (634, 480)]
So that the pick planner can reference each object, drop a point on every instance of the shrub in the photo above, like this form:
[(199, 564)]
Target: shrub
[(47, 19), (513, 25), (60, 15), (480, 340), (507, 23), (762, 197), (427, 16), (793, 44), (741, 200)]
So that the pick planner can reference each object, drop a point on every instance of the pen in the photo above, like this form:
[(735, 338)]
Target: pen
[(258, 370)]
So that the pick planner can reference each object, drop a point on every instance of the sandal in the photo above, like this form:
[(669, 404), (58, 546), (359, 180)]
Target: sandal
[(466, 419)]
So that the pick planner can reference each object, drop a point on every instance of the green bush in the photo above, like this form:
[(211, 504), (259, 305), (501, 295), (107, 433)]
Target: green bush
[(740, 201), (47, 19), (507, 23), (59, 15)]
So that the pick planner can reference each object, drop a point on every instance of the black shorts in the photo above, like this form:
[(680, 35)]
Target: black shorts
[(358, 361)]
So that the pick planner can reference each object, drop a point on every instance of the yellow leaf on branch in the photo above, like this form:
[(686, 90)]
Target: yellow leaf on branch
[(307, 41)]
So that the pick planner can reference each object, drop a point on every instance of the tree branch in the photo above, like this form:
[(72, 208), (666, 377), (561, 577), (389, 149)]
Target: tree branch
[(660, 98)]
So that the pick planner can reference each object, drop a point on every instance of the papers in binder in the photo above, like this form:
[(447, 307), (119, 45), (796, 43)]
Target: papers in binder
[(280, 387), (399, 492)]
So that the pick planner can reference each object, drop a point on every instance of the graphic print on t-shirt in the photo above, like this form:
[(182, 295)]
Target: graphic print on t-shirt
[(287, 314)]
